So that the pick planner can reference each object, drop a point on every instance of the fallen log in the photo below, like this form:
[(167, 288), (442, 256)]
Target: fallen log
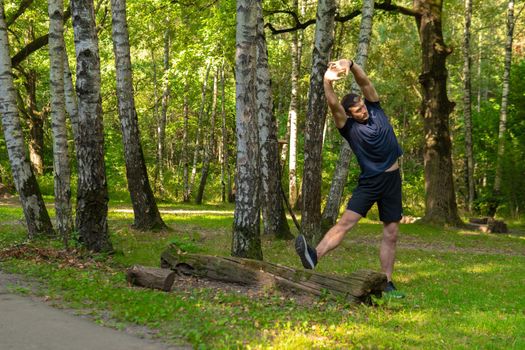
[(151, 277), (358, 287)]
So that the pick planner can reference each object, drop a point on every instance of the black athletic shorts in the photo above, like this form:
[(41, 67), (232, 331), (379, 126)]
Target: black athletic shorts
[(385, 189)]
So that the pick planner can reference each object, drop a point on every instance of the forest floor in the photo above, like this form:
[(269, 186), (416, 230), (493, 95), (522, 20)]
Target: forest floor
[(463, 286)]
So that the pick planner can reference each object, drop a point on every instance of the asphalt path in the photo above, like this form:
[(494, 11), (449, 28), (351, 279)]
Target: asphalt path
[(30, 324)]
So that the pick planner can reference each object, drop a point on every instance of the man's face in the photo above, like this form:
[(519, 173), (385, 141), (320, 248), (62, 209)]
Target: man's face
[(359, 111)]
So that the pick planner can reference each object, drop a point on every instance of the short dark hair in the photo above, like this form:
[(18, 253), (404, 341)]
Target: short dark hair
[(350, 100)]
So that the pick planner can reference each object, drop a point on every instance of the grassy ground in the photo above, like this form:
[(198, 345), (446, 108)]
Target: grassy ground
[(464, 289)]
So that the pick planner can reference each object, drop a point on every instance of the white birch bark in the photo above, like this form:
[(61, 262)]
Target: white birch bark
[(311, 196), (161, 129), (145, 209), (246, 240), (37, 218), (333, 202), (274, 217), (61, 167), (185, 150), (92, 193)]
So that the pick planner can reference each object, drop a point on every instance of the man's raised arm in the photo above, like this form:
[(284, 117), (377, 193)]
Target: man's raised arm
[(332, 74), (366, 86)]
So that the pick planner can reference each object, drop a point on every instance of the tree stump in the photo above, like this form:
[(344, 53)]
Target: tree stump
[(358, 287), (151, 277)]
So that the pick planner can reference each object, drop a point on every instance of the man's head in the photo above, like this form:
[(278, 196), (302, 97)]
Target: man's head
[(354, 107)]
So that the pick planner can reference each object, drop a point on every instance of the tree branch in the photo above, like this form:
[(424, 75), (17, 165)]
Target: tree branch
[(385, 6), (34, 45), (24, 4)]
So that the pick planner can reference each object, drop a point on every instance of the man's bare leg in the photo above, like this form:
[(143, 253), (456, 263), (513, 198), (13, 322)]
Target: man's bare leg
[(387, 253), (335, 235)]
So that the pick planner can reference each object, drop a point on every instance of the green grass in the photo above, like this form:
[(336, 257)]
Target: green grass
[(464, 289)]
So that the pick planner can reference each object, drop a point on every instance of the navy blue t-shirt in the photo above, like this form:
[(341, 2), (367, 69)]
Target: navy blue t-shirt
[(373, 142)]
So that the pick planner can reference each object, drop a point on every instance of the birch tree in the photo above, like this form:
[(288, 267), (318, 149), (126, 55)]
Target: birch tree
[(92, 193), (35, 212), (61, 167), (246, 240), (315, 119), (274, 217), (161, 129), (503, 110), (145, 209), (333, 203)]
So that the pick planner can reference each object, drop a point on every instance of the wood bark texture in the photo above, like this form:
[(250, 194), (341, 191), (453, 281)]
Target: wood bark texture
[(273, 214), (357, 287), (440, 198), (92, 193), (246, 240), (61, 166), (35, 212), (151, 277), (146, 213)]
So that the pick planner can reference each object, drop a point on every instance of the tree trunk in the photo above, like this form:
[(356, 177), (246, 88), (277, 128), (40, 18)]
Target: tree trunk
[(151, 277), (503, 111), (161, 129), (92, 193), (246, 240), (440, 198), (333, 203), (358, 287), (467, 106), (62, 171), (70, 98), (292, 119), (35, 120), (274, 217), (37, 218), (185, 150), (209, 147), (145, 209), (196, 151), (315, 118), (225, 166)]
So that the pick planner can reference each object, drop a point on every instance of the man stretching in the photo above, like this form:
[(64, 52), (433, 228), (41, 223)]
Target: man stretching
[(365, 126)]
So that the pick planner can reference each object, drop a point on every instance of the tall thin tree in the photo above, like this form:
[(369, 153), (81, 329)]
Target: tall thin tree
[(208, 148), (504, 107), (274, 217), (35, 212), (246, 240), (61, 167), (145, 209), (92, 193), (315, 119), (467, 105)]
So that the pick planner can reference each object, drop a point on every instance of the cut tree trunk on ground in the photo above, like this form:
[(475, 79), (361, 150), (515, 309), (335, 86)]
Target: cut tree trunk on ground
[(358, 287), (488, 225), (151, 277)]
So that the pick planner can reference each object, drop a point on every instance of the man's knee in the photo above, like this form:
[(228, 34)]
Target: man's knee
[(348, 220), (390, 232)]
